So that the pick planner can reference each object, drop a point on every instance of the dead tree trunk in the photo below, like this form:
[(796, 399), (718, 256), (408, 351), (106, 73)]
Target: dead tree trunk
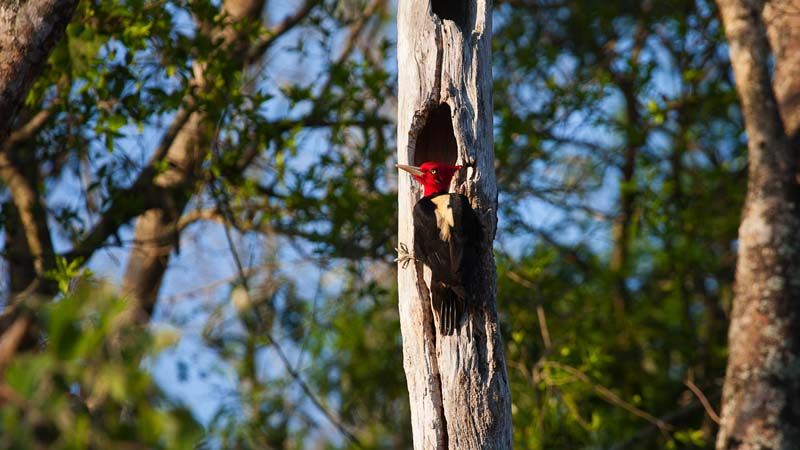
[(457, 384), (761, 396)]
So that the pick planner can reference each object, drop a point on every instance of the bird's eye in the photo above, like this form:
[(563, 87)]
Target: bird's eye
[(433, 171)]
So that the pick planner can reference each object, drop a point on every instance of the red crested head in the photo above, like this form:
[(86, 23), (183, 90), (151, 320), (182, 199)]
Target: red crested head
[(434, 176)]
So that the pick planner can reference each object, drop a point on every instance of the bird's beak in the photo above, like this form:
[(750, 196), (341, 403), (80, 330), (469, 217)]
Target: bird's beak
[(410, 169)]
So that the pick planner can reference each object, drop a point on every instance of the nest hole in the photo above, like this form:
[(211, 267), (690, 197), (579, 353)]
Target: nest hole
[(455, 10), (437, 140)]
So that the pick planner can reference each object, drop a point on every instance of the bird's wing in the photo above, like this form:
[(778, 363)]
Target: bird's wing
[(470, 232), (447, 234), (457, 237), (429, 245)]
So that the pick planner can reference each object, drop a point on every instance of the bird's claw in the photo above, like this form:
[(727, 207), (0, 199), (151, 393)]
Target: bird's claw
[(404, 256)]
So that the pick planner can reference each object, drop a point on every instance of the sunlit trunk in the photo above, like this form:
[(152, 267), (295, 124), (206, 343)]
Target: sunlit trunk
[(457, 384), (761, 396)]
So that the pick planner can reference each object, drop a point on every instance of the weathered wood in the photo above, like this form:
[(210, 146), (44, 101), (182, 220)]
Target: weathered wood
[(457, 384), (761, 396)]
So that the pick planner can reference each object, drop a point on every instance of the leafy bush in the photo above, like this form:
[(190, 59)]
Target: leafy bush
[(87, 386)]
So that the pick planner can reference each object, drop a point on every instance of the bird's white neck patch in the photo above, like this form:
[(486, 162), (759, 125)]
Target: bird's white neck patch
[(444, 216)]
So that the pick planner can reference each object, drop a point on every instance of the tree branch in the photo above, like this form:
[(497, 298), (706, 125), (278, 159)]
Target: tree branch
[(11, 338), (228, 222), (280, 29), (28, 130), (180, 119), (703, 400), (670, 418), (609, 396), (32, 215)]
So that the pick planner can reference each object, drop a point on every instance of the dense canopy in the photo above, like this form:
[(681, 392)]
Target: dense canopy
[(229, 168)]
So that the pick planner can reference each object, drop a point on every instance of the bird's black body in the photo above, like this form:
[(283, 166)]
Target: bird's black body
[(447, 235)]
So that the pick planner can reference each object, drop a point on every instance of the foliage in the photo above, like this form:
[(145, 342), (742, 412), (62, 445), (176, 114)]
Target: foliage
[(619, 120), (88, 386), (620, 164)]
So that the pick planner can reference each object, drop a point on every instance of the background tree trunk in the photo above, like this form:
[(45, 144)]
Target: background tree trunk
[(457, 384), (28, 32), (782, 19), (156, 234), (761, 396)]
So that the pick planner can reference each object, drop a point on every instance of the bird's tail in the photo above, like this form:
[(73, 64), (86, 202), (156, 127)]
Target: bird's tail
[(449, 304)]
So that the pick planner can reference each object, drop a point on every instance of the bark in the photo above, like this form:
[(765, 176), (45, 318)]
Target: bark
[(457, 384), (623, 222), (156, 234), (761, 395), (28, 32), (30, 249), (782, 18)]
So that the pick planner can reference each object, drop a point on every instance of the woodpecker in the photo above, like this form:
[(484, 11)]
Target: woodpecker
[(447, 235)]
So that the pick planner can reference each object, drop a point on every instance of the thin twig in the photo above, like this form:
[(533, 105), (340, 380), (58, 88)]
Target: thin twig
[(313, 323), (703, 400), (613, 398), (517, 278), (222, 200), (671, 417), (543, 326), (307, 390), (335, 421)]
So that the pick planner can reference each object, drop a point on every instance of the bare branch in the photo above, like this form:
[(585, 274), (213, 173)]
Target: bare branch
[(703, 400), (214, 215), (33, 217), (197, 215), (28, 130), (125, 205), (540, 315), (123, 209), (672, 418), (11, 338), (208, 288), (357, 27)]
